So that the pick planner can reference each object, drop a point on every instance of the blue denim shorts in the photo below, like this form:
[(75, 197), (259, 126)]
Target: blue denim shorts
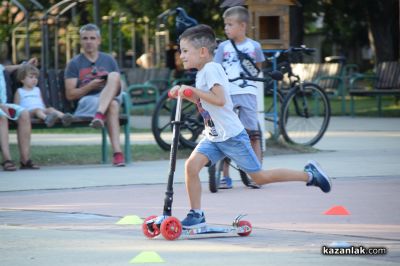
[(237, 148)]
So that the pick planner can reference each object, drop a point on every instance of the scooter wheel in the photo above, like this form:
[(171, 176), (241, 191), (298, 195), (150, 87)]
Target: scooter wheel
[(171, 228), (246, 226), (151, 230)]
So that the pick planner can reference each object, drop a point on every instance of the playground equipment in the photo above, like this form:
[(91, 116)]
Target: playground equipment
[(182, 22), (23, 29)]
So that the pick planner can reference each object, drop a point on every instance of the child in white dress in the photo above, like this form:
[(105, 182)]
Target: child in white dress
[(30, 98)]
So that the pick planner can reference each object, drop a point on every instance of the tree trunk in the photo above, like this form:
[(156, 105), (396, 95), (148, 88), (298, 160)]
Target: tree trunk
[(296, 26), (383, 17)]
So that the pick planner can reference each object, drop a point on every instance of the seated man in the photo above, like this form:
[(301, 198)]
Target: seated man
[(14, 112), (93, 79)]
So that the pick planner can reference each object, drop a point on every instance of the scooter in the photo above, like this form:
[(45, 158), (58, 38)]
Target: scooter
[(167, 225)]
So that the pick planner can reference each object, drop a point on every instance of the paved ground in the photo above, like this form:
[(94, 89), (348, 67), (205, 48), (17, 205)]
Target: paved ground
[(67, 215)]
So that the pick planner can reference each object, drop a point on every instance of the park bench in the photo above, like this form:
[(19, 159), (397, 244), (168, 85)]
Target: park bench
[(329, 76), (333, 78), (385, 81), (53, 91), (144, 86)]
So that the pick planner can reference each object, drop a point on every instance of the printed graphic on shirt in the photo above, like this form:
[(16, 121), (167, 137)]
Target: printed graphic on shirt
[(90, 73), (208, 122), (231, 61)]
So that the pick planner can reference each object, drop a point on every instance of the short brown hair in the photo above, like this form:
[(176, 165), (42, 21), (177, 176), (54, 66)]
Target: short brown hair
[(241, 13), (25, 70), (200, 36)]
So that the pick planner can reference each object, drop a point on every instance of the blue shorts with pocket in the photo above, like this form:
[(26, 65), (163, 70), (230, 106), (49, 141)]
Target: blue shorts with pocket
[(237, 148)]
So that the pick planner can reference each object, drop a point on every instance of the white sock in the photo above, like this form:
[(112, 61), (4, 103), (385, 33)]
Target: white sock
[(310, 177)]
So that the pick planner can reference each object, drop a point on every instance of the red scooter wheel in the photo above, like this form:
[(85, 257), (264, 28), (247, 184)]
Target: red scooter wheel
[(151, 231), (171, 228), (246, 226)]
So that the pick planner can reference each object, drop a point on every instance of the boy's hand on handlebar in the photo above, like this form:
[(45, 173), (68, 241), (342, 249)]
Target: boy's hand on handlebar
[(173, 93), (182, 90)]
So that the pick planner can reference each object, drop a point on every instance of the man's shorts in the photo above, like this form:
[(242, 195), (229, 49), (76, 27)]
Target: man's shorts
[(89, 104), (237, 148), (247, 105)]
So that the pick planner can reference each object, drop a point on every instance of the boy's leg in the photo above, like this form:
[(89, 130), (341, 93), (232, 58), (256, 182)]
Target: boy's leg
[(205, 151), (195, 218), (193, 166), (263, 177), (313, 175)]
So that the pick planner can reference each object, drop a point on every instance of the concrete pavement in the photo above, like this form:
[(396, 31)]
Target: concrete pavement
[(67, 215)]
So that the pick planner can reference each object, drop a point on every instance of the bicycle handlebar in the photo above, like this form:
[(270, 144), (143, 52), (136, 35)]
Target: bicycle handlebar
[(275, 75), (302, 49)]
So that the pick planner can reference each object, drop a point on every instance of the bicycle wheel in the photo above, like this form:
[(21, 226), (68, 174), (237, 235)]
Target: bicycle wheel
[(192, 126), (161, 123), (305, 115), (214, 176)]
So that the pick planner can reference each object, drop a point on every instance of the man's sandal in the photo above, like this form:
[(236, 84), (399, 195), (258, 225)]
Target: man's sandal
[(9, 166), (28, 165)]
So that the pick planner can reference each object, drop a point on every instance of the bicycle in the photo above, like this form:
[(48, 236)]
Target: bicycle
[(306, 111)]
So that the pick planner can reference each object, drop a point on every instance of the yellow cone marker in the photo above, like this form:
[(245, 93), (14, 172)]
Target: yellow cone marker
[(130, 219), (147, 257)]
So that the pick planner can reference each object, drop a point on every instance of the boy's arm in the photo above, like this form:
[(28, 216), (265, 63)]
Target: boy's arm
[(215, 96)]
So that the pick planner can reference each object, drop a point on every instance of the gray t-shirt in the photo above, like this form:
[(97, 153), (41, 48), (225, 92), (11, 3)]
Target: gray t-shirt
[(85, 71)]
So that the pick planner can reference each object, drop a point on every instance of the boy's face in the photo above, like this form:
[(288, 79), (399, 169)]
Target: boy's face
[(30, 81), (190, 55), (90, 41), (233, 28)]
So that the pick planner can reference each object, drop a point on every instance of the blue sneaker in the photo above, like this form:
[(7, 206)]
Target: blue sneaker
[(193, 220), (319, 178), (225, 183)]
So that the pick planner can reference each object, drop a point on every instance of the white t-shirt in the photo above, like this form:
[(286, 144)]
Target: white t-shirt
[(221, 123), (228, 57), (30, 99)]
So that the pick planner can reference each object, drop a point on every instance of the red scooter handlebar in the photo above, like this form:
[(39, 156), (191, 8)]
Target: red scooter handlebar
[(186, 92)]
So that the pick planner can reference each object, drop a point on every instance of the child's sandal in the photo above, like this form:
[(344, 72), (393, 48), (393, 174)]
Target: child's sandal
[(9, 166), (28, 165)]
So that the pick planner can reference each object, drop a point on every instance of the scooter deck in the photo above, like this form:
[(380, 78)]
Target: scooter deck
[(213, 230), (171, 228)]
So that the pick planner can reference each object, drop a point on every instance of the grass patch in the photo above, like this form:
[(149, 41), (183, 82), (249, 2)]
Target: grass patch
[(367, 106), (91, 154), (79, 130), (364, 106)]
